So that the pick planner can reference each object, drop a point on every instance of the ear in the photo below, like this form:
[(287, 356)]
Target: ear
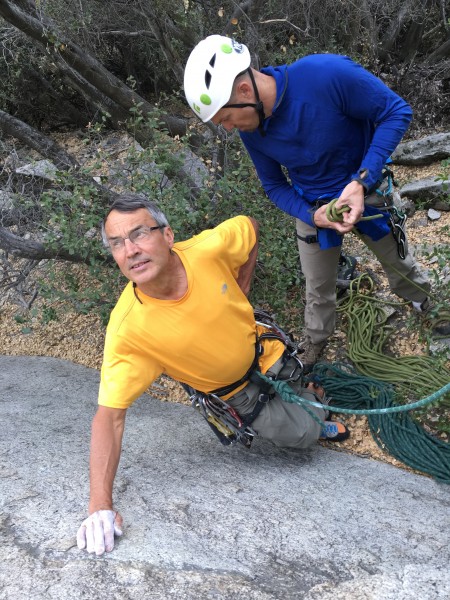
[(169, 236), (244, 90)]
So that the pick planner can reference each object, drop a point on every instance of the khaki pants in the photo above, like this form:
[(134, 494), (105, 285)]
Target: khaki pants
[(286, 425), (320, 270)]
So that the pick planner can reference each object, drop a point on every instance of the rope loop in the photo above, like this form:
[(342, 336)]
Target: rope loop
[(335, 214)]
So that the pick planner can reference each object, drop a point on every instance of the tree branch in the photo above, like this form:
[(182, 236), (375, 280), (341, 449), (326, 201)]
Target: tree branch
[(23, 248), (36, 140)]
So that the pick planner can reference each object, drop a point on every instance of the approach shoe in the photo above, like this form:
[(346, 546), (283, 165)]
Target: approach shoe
[(334, 431), (308, 353), (438, 318)]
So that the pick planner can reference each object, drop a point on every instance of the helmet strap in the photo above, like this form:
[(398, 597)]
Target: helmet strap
[(258, 105)]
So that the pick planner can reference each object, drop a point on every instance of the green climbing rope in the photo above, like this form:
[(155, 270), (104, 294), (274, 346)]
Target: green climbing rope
[(334, 214), (367, 332), (381, 379), (391, 426)]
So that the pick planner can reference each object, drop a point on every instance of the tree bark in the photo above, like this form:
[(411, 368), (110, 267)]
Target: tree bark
[(440, 53), (23, 248), (390, 37), (36, 140)]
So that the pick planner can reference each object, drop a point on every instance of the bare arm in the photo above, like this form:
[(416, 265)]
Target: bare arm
[(97, 532), (246, 271), (106, 444)]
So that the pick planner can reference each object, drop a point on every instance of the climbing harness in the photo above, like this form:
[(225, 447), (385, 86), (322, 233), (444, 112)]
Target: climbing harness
[(383, 198), (226, 423)]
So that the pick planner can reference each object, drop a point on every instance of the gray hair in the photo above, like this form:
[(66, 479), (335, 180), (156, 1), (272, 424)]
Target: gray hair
[(130, 203)]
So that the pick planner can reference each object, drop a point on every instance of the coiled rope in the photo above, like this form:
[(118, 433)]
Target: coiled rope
[(382, 379), (392, 428)]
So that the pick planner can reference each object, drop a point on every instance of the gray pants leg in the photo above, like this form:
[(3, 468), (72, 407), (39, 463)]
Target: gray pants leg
[(386, 252), (320, 270), (286, 425)]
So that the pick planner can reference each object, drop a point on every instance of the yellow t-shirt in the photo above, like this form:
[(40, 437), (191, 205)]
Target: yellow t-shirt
[(205, 339)]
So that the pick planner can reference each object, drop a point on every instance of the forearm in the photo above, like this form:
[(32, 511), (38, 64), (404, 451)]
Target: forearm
[(106, 444), (387, 135)]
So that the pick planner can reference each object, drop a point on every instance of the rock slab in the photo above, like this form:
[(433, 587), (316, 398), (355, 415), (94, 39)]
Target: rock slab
[(202, 520)]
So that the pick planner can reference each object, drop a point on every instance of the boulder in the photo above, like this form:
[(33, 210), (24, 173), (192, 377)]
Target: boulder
[(424, 151), (430, 191)]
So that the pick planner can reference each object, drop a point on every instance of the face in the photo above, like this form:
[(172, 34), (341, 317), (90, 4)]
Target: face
[(243, 119), (144, 262)]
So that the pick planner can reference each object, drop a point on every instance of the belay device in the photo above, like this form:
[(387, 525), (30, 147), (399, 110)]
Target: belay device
[(223, 419)]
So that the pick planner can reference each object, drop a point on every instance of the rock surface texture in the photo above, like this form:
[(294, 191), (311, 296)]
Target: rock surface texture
[(201, 520)]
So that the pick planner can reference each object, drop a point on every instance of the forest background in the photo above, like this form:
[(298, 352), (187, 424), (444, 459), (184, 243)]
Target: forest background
[(77, 74)]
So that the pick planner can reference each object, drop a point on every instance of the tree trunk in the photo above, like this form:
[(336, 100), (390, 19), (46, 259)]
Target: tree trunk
[(36, 140), (389, 39), (65, 52), (440, 53), (23, 248)]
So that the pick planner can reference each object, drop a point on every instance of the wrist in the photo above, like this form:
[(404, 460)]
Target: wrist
[(361, 177), (96, 506)]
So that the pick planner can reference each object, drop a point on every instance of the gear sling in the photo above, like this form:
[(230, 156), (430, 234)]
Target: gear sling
[(224, 420)]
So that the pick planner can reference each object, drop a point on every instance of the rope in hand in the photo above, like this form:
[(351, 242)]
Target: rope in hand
[(334, 214)]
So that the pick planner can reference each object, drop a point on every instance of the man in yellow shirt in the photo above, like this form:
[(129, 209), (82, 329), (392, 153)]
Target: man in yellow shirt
[(184, 313)]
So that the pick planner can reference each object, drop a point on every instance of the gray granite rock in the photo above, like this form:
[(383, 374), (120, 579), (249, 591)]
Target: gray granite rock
[(202, 520), (424, 151)]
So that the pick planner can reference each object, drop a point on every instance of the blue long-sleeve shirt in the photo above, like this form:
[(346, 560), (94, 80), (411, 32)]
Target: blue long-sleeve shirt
[(331, 119)]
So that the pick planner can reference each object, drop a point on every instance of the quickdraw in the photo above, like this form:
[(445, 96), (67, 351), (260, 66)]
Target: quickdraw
[(223, 419)]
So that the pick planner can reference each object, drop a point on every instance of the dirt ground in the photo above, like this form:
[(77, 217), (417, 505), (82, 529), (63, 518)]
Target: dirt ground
[(79, 338)]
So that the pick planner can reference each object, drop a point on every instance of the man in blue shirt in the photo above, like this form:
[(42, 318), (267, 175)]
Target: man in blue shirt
[(331, 126)]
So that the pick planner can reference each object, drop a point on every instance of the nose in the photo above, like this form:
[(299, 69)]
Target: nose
[(130, 247)]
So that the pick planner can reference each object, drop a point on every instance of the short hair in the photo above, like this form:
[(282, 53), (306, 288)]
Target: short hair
[(129, 202)]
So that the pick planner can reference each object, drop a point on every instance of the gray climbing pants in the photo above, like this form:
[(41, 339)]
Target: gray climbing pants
[(286, 425), (320, 270)]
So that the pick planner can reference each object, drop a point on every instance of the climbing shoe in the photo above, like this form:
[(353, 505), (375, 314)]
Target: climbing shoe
[(437, 319), (334, 431), (308, 353)]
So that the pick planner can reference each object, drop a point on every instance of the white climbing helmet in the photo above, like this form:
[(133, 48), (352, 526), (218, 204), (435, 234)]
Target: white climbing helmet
[(210, 71)]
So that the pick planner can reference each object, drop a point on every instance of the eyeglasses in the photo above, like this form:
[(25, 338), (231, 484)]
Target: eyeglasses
[(137, 236)]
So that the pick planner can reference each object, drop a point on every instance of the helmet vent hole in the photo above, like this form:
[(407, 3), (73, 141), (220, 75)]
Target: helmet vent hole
[(207, 79), (212, 62)]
